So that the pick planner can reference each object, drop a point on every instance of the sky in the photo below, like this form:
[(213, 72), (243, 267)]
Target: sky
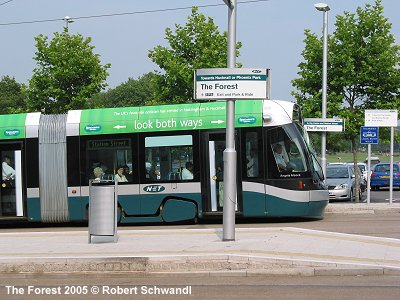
[(272, 32)]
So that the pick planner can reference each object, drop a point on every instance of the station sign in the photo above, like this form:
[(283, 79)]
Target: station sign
[(231, 83), (369, 135), (381, 118), (319, 124)]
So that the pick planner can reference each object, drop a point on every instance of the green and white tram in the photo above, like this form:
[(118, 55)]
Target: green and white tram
[(170, 158)]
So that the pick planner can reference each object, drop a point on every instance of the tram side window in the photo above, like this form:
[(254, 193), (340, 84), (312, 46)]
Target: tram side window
[(109, 159), (169, 158), (286, 153), (252, 151)]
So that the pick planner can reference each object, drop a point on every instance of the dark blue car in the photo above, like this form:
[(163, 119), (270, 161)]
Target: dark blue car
[(380, 177)]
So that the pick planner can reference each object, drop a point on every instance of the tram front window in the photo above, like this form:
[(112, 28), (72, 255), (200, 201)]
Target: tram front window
[(286, 151), (315, 164)]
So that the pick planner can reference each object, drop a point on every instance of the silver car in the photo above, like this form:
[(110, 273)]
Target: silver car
[(340, 180)]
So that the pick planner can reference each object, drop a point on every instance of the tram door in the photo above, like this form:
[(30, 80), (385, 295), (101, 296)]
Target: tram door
[(11, 200), (215, 173)]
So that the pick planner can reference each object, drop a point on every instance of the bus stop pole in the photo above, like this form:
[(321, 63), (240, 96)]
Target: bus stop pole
[(391, 165), (230, 152)]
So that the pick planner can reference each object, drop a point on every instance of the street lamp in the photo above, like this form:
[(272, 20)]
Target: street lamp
[(324, 8), (68, 20), (230, 191)]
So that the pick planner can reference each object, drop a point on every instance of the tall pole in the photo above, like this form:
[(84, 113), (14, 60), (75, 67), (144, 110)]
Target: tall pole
[(230, 152), (324, 8), (391, 165), (67, 20)]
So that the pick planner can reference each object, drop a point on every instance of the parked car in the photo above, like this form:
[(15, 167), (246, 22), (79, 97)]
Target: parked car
[(363, 172), (374, 160), (340, 180), (380, 177)]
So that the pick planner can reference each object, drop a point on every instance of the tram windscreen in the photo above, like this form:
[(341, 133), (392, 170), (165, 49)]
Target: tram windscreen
[(287, 150), (316, 165)]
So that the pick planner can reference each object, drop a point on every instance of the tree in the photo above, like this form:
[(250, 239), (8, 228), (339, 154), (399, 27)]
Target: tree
[(198, 44), (68, 73), (363, 71), (133, 92), (12, 96)]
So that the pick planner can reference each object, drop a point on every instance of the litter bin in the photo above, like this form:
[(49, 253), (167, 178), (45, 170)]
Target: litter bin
[(103, 201)]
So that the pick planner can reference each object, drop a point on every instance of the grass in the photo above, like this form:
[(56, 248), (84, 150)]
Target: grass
[(361, 156)]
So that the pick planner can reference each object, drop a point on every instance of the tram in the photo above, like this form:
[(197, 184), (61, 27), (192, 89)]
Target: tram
[(168, 161)]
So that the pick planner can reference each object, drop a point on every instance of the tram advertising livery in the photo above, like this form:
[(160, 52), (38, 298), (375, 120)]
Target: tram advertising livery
[(167, 159)]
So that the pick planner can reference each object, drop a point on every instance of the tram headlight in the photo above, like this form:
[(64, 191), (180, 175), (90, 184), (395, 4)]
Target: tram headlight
[(267, 118)]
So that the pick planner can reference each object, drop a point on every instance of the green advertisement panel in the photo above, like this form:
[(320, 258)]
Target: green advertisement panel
[(12, 126), (169, 117)]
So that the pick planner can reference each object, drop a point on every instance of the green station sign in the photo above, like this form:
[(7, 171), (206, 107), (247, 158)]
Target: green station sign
[(195, 116), (12, 126)]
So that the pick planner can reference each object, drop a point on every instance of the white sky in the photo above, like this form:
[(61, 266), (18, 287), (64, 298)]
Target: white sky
[(272, 32)]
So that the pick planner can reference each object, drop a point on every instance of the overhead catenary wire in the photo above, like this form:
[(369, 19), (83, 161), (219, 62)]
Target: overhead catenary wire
[(124, 13), (6, 2)]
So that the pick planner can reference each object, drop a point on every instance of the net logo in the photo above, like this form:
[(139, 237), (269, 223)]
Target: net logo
[(12, 132), (92, 128), (247, 120), (154, 188)]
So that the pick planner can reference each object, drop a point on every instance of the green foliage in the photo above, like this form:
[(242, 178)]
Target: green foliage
[(198, 44), (363, 70), (68, 73), (133, 92), (12, 96)]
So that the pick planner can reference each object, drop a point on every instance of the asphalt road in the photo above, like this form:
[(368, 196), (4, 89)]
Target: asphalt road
[(381, 225), (382, 196), (140, 286)]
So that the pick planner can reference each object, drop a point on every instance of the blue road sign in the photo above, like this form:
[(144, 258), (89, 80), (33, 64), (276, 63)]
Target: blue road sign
[(369, 135)]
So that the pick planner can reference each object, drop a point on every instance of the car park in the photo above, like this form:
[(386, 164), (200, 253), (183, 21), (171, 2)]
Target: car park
[(340, 179), (380, 176)]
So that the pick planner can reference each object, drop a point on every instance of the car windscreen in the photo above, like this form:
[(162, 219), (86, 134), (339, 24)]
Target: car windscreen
[(337, 173), (386, 168)]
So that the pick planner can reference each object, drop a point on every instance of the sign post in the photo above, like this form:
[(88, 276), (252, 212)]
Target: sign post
[(369, 135), (319, 124), (228, 230), (384, 118), (232, 83)]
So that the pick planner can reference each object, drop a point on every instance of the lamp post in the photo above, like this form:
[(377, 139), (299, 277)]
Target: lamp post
[(324, 8), (228, 217), (67, 20)]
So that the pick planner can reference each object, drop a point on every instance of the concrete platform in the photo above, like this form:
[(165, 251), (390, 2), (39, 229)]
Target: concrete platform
[(256, 251), (362, 208)]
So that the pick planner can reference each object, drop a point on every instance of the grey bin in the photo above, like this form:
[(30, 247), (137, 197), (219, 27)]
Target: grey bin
[(103, 201)]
